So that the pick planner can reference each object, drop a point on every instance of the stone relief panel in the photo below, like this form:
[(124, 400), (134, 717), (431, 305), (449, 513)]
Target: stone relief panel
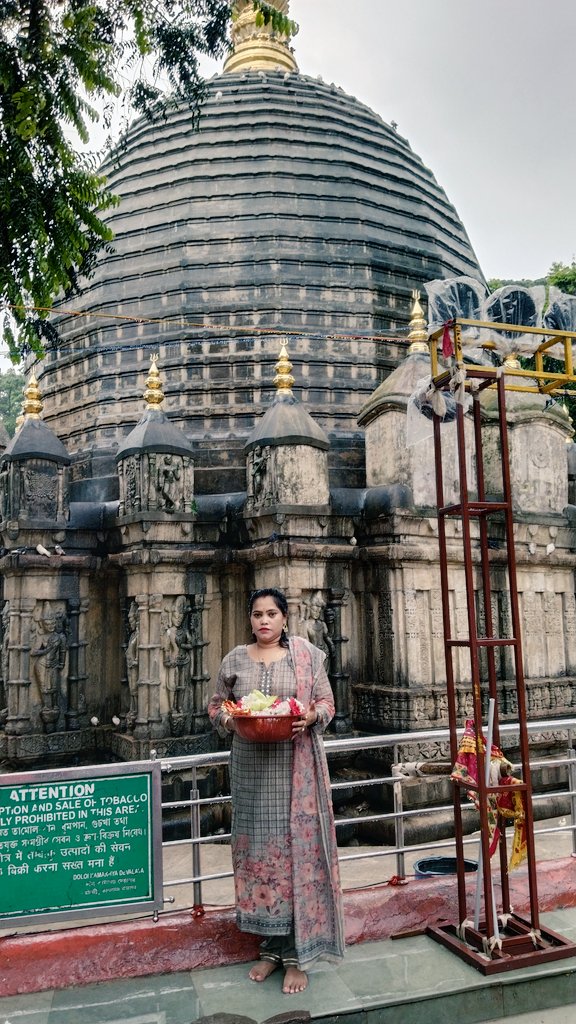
[(49, 644), (167, 482), (259, 478), (132, 657), (404, 645), (130, 491), (40, 491), (165, 677), (177, 645), (312, 616), (34, 489), (4, 662), (569, 620), (385, 638), (156, 482)]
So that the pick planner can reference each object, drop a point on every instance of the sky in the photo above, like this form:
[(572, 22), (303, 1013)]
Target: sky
[(484, 92)]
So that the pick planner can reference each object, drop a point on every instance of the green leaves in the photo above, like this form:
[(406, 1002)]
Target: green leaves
[(11, 395), (58, 61), (269, 15), (563, 275)]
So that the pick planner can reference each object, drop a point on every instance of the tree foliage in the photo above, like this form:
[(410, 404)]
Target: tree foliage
[(58, 61), (11, 391), (563, 275)]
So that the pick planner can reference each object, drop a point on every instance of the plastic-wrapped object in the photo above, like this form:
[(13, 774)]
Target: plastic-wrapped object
[(456, 297), (560, 313), (422, 404), (513, 304)]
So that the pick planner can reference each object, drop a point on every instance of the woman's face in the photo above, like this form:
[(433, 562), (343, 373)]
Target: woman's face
[(267, 620)]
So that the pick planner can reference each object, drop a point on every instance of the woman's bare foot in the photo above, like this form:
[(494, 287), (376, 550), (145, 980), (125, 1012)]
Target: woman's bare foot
[(294, 981), (261, 970)]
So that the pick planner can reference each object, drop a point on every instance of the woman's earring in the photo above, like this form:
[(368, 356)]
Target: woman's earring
[(285, 628)]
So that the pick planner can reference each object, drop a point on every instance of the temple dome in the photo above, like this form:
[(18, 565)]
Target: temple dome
[(293, 211)]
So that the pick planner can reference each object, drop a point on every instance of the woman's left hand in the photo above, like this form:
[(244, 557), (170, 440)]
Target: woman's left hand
[(301, 724)]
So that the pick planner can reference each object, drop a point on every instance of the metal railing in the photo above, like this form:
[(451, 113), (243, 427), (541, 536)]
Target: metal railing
[(564, 731)]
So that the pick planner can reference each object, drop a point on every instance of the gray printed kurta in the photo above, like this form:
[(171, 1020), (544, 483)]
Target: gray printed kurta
[(261, 777)]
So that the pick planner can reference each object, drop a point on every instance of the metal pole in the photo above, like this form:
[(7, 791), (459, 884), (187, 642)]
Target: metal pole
[(399, 830), (195, 835), (572, 784)]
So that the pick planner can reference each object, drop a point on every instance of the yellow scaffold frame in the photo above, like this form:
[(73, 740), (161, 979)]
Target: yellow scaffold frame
[(536, 380)]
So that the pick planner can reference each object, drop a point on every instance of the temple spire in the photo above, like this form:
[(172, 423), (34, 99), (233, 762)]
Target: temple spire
[(418, 336), (32, 404), (153, 394), (283, 380), (256, 45)]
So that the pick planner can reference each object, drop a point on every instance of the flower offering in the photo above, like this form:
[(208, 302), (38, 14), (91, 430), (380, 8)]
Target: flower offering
[(257, 704)]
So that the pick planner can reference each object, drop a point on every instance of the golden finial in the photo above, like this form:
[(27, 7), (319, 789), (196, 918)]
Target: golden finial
[(258, 45), (283, 380), (154, 394), (418, 336), (32, 404)]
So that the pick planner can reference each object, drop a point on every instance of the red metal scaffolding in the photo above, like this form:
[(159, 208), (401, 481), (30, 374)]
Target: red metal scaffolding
[(499, 940)]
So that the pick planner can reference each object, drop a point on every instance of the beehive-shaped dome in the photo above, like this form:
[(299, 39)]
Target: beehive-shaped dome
[(294, 209)]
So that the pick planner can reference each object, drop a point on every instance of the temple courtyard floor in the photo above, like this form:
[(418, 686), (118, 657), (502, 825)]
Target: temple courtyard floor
[(186, 968)]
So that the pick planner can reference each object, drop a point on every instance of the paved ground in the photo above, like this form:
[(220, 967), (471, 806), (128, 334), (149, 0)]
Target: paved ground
[(412, 981)]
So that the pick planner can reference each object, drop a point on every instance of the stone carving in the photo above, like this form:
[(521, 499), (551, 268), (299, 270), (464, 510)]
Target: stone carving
[(132, 663), (177, 645), (132, 503), (258, 471), (385, 638), (260, 479), (48, 658), (315, 624), (168, 487), (40, 491), (5, 663)]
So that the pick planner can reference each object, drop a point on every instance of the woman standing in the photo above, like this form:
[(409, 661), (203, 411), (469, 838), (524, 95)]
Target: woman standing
[(283, 838)]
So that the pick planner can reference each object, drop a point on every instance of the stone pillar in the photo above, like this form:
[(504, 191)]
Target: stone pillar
[(339, 679), (18, 688), (141, 725), (200, 678), (72, 713), (154, 661)]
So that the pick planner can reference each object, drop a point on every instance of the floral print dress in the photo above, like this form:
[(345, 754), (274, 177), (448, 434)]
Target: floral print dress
[(283, 839)]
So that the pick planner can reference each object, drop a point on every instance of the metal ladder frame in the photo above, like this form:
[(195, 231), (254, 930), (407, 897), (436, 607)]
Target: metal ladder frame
[(510, 941)]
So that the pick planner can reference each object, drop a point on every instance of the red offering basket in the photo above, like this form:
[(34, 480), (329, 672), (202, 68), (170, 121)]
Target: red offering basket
[(265, 728)]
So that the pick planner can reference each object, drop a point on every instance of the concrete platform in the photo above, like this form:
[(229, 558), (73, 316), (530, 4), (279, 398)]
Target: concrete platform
[(184, 967), (407, 981)]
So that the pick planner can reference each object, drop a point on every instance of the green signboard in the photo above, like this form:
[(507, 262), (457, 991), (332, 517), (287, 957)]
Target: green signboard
[(80, 842)]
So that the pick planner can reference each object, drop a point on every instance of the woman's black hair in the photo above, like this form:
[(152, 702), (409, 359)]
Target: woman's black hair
[(279, 600)]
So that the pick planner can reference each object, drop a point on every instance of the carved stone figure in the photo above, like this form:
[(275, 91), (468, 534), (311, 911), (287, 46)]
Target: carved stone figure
[(48, 660), (177, 647), (132, 658), (167, 483), (259, 460), (316, 628)]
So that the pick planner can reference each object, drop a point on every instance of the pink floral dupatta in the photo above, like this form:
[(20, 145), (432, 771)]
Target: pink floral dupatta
[(318, 919)]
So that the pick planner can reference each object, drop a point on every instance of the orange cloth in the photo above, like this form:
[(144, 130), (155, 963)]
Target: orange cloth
[(508, 805)]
